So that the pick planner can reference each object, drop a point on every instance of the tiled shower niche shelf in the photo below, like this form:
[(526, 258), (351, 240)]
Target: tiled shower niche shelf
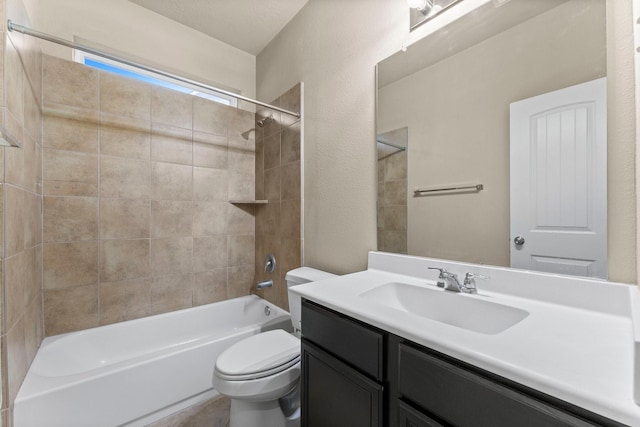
[(249, 202)]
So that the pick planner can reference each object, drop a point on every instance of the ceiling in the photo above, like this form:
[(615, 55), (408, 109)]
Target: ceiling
[(248, 25)]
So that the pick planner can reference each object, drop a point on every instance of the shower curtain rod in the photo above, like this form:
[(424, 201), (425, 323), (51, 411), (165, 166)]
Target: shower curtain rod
[(53, 39)]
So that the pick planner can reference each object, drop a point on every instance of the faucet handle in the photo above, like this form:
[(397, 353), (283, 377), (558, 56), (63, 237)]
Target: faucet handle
[(469, 277), (443, 272), (470, 282)]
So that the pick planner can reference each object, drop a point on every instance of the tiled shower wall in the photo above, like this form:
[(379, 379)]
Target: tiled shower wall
[(21, 200), (137, 182), (392, 191), (278, 180)]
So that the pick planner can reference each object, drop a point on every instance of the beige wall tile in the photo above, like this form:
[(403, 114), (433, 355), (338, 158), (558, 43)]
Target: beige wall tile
[(32, 114), (125, 178), (242, 161), (290, 218), (17, 362), (15, 79), (68, 173), (396, 167), (207, 117), (209, 151), (34, 328), (171, 107), (272, 184), (169, 293), (124, 300), (209, 253), (29, 164), (124, 259), (210, 185), (15, 217), (209, 218), (395, 241), (171, 256), (259, 171), (395, 193), (272, 151), (171, 144), (171, 181), (242, 186), (290, 144), (124, 219), (268, 221), (68, 219), (70, 309), (241, 250), (210, 286), (291, 177), (15, 269), (290, 100), (14, 165), (70, 264), (70, 134), (125, 137), (395, 218), (240, 281), (290, 255), (171, 219), (240, 219), (69, 83), (124, 96)]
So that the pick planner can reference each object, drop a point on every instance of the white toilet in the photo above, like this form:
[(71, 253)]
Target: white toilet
[(261, 373)]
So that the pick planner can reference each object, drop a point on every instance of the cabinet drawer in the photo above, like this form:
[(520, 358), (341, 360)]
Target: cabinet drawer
[(464, 398), (409, 417), (354, 343)]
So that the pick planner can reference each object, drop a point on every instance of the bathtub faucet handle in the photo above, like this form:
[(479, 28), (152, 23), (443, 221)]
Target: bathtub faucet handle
[(264, 284), (270, 264)]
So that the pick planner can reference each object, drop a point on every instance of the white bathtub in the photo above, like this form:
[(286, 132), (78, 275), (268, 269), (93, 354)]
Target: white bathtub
[(135, 372)]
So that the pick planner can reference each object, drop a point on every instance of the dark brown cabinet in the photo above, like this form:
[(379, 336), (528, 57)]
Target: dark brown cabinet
[(356, 375)]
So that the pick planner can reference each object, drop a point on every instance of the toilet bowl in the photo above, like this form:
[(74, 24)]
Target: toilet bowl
[(261, 374)]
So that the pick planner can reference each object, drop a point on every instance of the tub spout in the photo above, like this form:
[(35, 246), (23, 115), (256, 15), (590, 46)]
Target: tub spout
[(264, 284)]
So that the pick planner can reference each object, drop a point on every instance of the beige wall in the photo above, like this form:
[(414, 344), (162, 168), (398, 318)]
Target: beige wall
[(137, 182), (134, 30), (457, 112), (333, 46)]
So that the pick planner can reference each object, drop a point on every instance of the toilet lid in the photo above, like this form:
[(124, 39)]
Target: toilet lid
[(259, 355)]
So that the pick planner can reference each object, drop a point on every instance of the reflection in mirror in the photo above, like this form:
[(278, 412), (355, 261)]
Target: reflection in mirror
[(453, 90), (392, 188)]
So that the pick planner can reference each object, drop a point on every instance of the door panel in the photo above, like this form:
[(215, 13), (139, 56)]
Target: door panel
[(558, 181)]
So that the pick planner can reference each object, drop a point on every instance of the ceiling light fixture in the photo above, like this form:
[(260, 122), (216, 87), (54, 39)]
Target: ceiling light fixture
[(423, 6)]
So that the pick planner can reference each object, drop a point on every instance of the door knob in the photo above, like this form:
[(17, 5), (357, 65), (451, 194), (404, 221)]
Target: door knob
[(519, 240)]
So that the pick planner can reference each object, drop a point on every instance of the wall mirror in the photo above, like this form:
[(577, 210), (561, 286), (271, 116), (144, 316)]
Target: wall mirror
[(470, 100)]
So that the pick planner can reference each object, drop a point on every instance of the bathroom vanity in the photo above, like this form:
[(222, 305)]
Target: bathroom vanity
[(387, 347)]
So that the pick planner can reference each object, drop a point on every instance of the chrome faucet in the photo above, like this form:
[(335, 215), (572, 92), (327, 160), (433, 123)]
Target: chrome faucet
[(449, 281)]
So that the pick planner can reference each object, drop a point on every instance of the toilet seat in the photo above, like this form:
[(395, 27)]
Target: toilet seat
[(259, 356)]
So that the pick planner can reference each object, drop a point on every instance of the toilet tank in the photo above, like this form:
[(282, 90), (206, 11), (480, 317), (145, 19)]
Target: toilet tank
[(297, 277)]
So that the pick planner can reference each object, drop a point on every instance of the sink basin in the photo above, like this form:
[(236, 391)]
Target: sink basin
[(463, 311)]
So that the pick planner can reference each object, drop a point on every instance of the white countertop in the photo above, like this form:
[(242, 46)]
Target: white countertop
[(577, 344)]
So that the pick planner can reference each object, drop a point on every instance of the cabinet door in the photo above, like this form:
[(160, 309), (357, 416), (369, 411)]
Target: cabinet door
[(334, 394), (409, 417)]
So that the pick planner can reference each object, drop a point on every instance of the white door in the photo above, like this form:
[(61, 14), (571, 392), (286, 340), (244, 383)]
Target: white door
[(559, 181)]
